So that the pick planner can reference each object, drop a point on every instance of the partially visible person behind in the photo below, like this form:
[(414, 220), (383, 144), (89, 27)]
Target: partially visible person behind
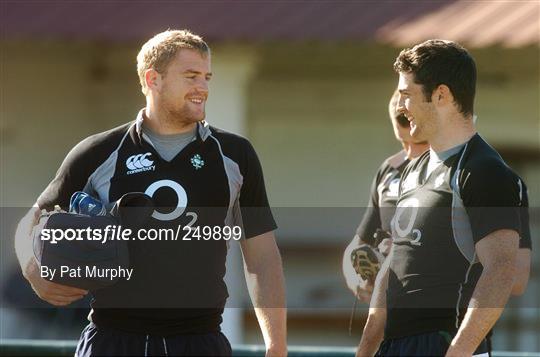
[(373, 232), (456, 230)]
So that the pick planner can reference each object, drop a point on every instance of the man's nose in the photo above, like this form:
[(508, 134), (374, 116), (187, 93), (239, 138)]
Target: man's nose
[(401, 104), (202, 85)]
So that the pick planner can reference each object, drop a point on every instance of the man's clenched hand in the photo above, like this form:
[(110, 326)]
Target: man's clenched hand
[(53, 293)]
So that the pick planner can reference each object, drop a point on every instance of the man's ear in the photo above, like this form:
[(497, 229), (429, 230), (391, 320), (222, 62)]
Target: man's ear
[(442, 95), (153, 79)]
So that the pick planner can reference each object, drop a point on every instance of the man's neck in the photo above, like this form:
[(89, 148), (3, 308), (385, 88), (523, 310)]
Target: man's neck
[(159, 122), (415, 150), (454, 132)]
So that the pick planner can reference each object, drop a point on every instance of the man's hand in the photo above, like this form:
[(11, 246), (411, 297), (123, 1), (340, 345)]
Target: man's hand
[(53, 293), (364, 291)]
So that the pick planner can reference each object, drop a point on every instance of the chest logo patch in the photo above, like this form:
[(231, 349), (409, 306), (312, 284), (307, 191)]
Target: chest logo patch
[(439, 180), (197, 161), (140, 163), (404, 221)]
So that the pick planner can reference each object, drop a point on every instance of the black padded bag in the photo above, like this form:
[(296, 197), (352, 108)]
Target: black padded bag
[(131, 211)]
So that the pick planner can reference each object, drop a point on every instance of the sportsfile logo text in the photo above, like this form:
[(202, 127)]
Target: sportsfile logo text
[(113, 232)]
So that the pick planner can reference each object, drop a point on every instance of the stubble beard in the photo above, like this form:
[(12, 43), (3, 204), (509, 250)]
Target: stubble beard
[(181, 116), (424, 128), (418, 134), (415, 131)]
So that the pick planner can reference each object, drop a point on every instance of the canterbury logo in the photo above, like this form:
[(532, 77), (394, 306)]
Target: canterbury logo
[(139, 163)]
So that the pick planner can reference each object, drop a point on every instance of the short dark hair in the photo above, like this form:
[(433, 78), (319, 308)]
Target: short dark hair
[(436, 62)]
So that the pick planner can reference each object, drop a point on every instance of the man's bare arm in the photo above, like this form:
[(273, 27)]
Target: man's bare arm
[(523, 269), (373, 333), (497, 254), (265, 281), (53, 293), (23, 241)]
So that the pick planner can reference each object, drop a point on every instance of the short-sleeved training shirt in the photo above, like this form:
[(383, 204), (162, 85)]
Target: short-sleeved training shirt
[(383, 197), (215, 180), (438, 221)]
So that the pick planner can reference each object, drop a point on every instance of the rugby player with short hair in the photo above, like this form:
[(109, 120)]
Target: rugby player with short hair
[(374, 227), (173, 155), (457, 224)]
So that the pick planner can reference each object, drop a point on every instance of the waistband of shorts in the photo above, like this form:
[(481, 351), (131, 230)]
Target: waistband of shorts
[(121, 321)]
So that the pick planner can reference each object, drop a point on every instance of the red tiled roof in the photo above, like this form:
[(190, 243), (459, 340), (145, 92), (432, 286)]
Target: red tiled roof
[(478, 23)]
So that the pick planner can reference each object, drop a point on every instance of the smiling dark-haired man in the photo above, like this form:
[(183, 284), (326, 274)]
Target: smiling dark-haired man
[(457, 224)]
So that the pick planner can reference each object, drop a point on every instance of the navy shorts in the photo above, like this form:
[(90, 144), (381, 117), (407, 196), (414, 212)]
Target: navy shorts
[(98, 341), (426, 344)]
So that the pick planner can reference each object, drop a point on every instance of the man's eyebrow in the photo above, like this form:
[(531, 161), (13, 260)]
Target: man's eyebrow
[(193, 71)]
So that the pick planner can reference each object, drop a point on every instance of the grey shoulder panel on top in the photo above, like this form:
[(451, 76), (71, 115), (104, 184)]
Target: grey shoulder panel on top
[(397, 159), (461, 225), (235, 180), (98, 182)]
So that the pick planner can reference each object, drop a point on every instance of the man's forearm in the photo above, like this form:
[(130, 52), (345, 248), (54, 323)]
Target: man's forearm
[(23, 241), (523, 269), (272, 322), (373, 333), (487, 303), (267, 290), (268, 296)]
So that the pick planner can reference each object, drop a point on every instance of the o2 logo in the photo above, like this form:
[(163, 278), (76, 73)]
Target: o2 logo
[(180, 194), (410, 207)]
